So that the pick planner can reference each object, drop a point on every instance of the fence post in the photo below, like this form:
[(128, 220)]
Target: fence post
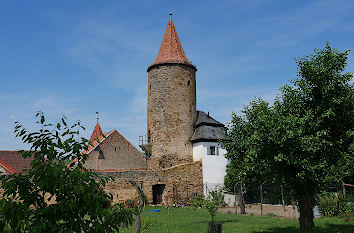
[(215, 227), (343, 187), (261, 192)]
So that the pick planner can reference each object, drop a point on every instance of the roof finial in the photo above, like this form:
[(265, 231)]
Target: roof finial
[(97, 117), (170, 15)]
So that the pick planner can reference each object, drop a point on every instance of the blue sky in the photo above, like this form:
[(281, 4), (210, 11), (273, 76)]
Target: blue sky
[(79, 57)]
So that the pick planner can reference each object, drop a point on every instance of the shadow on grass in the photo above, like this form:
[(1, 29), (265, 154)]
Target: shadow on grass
[(219, 221), (329, 228)]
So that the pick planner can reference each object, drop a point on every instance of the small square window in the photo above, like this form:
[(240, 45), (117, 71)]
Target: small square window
[(213, 150)]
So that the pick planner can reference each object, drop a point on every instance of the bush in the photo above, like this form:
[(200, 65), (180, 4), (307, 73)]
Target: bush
[(345, 204), (197, 202), (146, 223), (333, 204), (328, 204)]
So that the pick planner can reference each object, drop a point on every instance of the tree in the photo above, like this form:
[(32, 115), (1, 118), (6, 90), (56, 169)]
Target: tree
[(246, 143), (139, 205), (212, 203), (306, 138), (50, 197)]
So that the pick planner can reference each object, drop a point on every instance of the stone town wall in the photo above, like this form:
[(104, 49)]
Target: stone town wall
[(171, 112), (182, 182), (121, 190)]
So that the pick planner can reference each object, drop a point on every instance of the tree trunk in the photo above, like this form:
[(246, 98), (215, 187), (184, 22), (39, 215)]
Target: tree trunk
[(306, 204), (140, 204), (242, 200), (138, 224), (235, 203), (293, 202), (282, 196)]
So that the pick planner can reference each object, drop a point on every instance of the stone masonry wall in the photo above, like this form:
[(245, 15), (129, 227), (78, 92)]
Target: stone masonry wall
[(181, 182), (171, 112)]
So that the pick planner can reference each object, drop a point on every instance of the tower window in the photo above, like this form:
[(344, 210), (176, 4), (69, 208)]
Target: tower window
[(115, 148), (189, 82), (213, 150)]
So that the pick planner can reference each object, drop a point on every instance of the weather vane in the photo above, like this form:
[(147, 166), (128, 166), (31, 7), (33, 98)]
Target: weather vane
[(97, 117), (170, 15)]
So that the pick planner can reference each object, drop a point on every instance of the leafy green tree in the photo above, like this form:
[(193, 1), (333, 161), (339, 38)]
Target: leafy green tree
[(306, 138), (50, 197), (247, 143)]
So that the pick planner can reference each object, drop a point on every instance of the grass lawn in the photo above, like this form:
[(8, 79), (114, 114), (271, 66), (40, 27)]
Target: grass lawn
[(188, 220)]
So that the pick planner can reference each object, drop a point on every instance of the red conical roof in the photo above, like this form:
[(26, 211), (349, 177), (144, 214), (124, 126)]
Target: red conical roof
[(97, 133), (171, 50)]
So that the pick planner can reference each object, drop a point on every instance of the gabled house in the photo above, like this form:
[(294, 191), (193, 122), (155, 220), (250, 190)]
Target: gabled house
[(110, 151), (12, 162)]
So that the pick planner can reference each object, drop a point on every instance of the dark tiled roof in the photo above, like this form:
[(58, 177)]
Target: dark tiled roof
[(14, 160), (204, 119), (171, 50), (207, 129)]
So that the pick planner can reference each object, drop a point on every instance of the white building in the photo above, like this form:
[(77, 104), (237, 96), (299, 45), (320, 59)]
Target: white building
[(206, 147)]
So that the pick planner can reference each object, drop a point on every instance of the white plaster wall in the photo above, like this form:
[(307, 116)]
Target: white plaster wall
[(198, 151), (229, 199), (214, 166)]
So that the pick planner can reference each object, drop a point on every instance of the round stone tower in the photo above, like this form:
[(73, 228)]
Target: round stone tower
[(171, 107)]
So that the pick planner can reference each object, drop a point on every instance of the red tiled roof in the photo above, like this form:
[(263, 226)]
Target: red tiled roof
[(96, 134), (7, 167), (15, 160), (171, 50)]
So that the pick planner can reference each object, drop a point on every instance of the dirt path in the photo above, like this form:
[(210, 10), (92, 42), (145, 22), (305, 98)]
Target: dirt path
[(271, 210)]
